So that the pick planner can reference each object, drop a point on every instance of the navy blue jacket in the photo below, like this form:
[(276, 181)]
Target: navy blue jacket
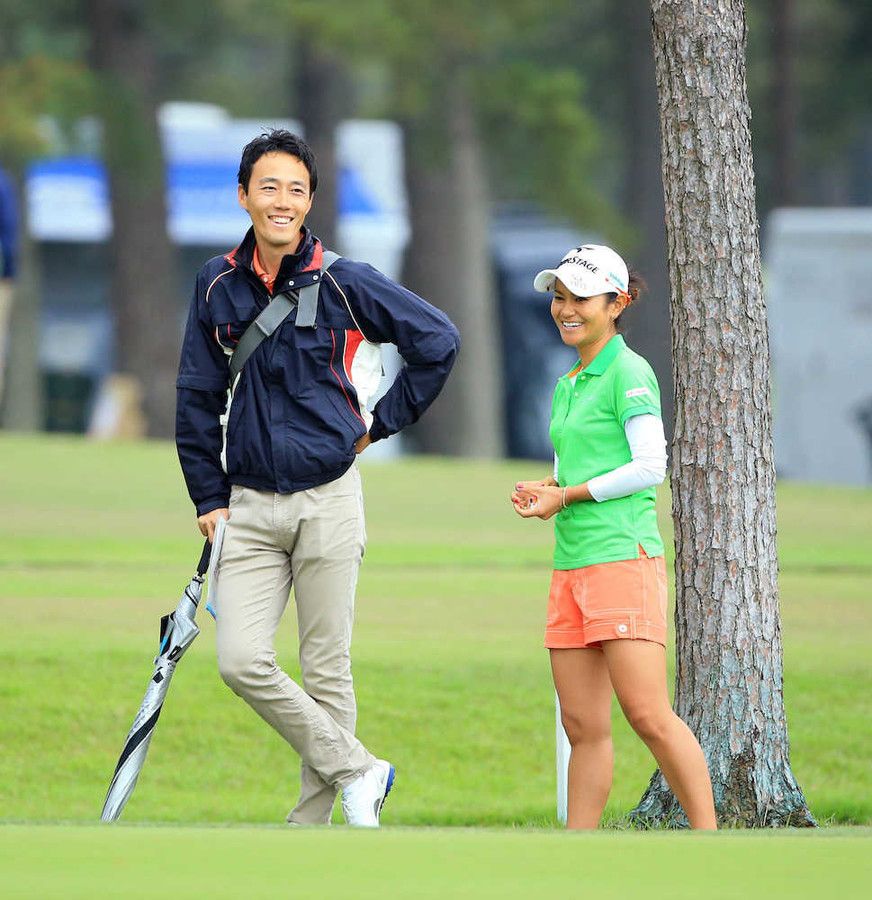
[(9, 227), (295, 414)]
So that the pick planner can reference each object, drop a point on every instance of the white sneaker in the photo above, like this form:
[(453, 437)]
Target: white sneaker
[(362, 800)]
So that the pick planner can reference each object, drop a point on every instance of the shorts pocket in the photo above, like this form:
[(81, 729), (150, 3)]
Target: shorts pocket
[(661, 586), (611, 590)]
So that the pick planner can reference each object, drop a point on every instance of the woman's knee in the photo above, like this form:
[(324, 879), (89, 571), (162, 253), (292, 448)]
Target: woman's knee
[(650, 722), (585, 729)]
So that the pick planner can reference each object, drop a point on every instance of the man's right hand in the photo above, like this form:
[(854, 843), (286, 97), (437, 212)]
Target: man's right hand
[(208, 521)]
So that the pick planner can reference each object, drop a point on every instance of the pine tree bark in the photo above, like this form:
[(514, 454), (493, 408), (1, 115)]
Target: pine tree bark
[(729, 684), (448, 262), (144, 301)]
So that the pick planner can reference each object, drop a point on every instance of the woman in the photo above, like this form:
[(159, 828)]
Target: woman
[(606, 627)]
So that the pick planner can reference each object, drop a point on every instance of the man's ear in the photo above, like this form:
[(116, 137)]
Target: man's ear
[(241, 195)]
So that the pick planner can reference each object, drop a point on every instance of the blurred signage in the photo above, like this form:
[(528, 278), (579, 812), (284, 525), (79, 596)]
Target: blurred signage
[(819, 298), (68, 196), (68, 206)]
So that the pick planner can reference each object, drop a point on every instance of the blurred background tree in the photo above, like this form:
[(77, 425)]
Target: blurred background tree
[(125, 61), (41, 75)]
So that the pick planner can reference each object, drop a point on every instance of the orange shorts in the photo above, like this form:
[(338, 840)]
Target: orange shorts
[(607, 602)]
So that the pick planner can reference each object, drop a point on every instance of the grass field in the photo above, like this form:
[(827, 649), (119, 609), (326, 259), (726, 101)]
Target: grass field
[(96, 542), (82, 862)]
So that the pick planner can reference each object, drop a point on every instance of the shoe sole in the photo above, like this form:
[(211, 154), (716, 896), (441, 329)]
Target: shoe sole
[(390, 783)]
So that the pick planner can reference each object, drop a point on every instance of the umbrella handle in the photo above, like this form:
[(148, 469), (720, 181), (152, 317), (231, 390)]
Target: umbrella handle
[(203, 565)]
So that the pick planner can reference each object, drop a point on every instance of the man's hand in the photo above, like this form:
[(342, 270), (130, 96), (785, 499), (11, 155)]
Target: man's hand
[(362, 443), (208, 521), (536, 500)]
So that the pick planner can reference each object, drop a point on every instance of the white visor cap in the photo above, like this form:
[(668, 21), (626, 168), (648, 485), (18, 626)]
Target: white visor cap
[(587, 271)]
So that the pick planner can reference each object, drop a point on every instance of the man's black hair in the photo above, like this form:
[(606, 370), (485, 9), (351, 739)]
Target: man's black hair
[(277, 140)]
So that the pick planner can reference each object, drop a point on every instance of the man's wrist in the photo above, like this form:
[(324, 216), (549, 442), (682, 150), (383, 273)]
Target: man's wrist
[(212, 504), (377, 431)]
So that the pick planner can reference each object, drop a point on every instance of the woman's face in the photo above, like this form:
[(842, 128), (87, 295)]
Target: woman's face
[(583, 321)]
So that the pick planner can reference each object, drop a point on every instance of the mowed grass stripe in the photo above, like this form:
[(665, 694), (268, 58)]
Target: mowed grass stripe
[(83, 862), (452, 679)]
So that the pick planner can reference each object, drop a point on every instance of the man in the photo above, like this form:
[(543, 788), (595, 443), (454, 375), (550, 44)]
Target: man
[(8, 262), (275, 453)]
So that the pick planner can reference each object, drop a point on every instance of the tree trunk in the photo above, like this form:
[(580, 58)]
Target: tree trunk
[(449, 263), (784, 103), (729, 685), (321, 102), (144, 303)]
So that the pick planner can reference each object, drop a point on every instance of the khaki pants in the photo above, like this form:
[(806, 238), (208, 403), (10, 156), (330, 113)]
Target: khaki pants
[(313, 540)]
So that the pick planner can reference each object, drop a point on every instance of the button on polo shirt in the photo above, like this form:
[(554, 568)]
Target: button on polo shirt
[(588, 414)]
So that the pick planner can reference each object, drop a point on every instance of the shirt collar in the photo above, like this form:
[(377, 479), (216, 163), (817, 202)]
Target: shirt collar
[(307, 258), (260, 270), (297, 270), (606, 356)]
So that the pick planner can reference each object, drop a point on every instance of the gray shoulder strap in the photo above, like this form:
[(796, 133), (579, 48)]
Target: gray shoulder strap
[(275, 312), (309, 294)]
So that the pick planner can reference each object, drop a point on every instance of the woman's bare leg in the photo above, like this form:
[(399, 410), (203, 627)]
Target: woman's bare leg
[(637, 670), (585, 692)]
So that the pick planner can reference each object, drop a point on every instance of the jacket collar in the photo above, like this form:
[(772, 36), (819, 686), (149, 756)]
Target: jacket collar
[(307, 259)]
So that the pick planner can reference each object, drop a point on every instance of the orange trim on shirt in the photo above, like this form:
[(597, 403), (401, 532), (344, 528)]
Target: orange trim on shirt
[(269, 279)]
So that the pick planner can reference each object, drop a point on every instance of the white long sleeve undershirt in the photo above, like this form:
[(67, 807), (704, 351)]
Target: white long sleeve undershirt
[(647, 467)]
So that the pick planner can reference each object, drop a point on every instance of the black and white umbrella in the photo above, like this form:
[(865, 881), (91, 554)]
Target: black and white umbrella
[(177, 633)]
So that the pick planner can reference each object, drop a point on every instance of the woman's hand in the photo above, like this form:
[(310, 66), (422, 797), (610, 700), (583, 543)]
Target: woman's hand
[(537, 499), (542, 482)]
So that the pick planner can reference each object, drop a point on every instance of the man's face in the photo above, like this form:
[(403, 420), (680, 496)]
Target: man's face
[(278, 199)]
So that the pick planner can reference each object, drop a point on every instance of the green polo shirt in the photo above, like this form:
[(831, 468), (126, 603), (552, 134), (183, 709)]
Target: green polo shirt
[(587, 431)]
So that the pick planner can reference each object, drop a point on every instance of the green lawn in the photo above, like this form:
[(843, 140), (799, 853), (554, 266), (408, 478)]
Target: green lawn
[(97, 541), (140, 863)]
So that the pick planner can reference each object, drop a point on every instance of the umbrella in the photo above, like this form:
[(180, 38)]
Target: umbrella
[(177, 633)]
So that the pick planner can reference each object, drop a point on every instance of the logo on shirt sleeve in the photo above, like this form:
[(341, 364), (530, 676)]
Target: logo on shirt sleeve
[(637, 392)]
